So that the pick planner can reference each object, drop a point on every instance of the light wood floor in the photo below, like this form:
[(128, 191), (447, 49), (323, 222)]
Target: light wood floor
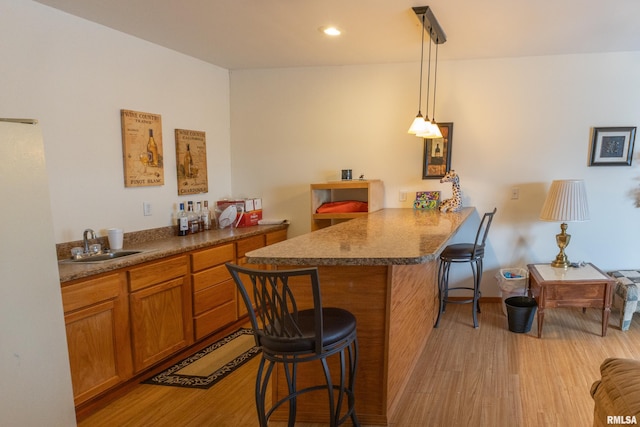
[(465, 377)]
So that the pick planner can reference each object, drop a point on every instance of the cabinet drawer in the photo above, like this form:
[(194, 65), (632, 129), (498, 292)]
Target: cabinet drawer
[(91, 291), (142, 277), (581, 292), (215, 319), (210, 257), (249, 244), (210, 277), (276, 236), (214, 296)]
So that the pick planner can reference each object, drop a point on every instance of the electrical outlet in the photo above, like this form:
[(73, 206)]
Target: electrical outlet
[(146, 208), (402, 196), (515, 193)]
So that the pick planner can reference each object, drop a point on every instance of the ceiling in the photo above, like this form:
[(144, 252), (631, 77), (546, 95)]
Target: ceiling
[(240, 34)]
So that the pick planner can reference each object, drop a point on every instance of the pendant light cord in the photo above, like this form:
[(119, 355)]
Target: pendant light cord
[(435, 77), (426, 117), (421, 62)]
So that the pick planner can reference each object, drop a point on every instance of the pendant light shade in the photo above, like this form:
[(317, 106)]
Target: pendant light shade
[(432, 131), (419, 125)]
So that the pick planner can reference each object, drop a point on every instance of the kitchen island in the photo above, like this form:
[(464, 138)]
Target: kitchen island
[(382, 268)]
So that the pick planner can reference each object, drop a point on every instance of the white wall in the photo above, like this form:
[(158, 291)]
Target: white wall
[(519, 122), (75, 77)]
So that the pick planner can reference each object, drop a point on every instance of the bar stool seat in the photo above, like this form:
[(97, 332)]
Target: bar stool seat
[(472, 253)]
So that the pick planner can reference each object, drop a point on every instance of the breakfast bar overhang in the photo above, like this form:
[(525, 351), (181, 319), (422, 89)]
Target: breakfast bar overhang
[(382, 268)]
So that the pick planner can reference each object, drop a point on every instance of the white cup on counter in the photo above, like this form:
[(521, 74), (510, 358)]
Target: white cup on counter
[(116, 238)]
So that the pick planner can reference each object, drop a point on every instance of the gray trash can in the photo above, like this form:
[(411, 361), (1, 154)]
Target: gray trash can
[(520, 312)]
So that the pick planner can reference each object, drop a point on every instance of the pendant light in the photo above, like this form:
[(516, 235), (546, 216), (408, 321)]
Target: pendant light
[(425, 128), (431, 129), (420, 125), (434, 125)]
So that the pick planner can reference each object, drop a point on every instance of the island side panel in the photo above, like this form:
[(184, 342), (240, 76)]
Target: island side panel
[(363, 290), (412, 313)]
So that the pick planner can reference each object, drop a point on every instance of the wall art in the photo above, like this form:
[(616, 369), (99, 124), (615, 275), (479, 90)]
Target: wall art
[(437, 153), (191, 162), (612, 146), (142, 148)]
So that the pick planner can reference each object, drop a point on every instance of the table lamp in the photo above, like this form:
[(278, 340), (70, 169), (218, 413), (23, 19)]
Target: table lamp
[(566, 202)]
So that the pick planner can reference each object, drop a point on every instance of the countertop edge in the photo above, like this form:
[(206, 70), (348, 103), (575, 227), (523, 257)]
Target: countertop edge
[(340, 261)]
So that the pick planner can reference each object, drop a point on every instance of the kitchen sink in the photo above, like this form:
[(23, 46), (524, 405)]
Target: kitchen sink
[(103, 256)]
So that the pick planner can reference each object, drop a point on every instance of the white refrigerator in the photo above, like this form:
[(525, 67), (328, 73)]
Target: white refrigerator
[(35, 382)]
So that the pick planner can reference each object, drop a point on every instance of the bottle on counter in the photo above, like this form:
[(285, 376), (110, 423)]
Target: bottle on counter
[(205, 215), (199, 214), (193, 218), (183, 221)]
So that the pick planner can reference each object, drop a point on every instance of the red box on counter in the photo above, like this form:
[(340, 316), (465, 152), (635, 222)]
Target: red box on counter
[(249, 210), (250, 218)]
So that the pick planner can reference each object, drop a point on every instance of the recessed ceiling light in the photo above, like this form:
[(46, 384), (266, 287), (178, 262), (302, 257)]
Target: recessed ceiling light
[(330, 31)]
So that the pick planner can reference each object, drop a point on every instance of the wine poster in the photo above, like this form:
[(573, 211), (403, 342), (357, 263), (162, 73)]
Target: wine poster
[(191, 162), (142, 149)]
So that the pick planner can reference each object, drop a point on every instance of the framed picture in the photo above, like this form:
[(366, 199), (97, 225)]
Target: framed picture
[(191, 162), (142, 149), (437, 153), (612, 146)]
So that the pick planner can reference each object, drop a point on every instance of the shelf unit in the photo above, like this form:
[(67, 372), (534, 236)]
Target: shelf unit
[(370, 191)]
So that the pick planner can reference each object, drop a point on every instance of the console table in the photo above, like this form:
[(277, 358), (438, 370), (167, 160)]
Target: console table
[(582, 287)]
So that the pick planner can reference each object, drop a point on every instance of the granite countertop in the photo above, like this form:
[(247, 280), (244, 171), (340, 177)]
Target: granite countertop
[(385, 237), (161, 248)]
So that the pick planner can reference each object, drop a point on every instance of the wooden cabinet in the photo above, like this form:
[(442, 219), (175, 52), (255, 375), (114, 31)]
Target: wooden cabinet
[(128, 321), (160, 304), (370, 191), (97, 324), (214, 292)]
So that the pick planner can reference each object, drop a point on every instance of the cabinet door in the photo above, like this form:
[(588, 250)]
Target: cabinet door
[(97, 326), (158, 324)]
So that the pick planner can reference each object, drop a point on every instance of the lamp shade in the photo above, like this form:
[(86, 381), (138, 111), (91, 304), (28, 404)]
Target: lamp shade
[(431, 131), (566, 202), (419, 125)]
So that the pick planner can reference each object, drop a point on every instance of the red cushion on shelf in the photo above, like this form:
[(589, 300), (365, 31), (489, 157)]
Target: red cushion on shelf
[(346, 206)]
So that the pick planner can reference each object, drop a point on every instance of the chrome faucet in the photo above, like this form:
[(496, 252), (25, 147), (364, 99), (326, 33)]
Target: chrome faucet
[(88, 234)]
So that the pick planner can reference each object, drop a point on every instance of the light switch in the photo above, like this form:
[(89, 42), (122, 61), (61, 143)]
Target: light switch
[(515, 193), (146, 208)]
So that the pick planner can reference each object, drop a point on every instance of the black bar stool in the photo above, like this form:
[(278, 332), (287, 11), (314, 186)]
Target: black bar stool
[(291, 336), (473, 253)]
